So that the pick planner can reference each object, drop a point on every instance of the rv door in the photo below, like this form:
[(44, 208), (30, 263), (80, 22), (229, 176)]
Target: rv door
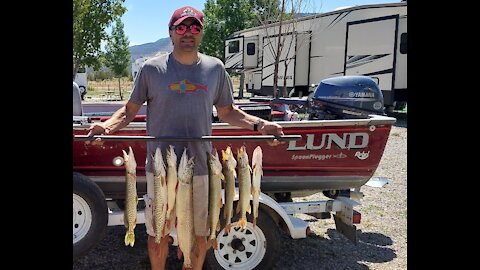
[(250, 52), (234, 53), (371, 51)]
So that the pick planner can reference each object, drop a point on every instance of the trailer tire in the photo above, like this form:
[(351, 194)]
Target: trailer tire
[(90, 214), (83, 91), (261, 250)]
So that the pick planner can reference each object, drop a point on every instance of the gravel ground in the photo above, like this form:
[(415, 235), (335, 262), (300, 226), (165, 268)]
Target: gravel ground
[(382, 233)]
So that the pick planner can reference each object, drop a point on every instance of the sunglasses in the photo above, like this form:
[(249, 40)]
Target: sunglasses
[(182, 29)]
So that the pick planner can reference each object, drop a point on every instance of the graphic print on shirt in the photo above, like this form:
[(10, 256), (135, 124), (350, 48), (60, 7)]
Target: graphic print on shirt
[(186, 86)]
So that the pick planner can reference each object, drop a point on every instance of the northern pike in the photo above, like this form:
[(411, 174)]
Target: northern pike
[(244, 186), (160, 191), (215, 177), (256, 179), (229, 165), (131, 200), (184, 208), (171, 187)]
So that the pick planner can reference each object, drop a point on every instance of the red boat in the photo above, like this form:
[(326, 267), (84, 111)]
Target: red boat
[(339, 152), (331, 155)]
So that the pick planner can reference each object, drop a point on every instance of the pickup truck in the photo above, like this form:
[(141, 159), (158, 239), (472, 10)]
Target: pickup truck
[(335, 155)]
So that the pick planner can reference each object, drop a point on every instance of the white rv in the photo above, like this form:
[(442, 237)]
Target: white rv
[(138, 63), (368, 40)]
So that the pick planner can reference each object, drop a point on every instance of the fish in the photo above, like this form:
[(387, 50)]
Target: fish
[(160, 191), (131, 200), (186, 86), (184, 208), (229, 165), (244, 185), (172, 180), (257, 174), (215, 177)]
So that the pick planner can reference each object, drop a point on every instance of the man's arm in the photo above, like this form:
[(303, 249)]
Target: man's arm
[(234, 116), (119, 120)]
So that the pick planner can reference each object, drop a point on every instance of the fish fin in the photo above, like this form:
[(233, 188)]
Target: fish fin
[(250, 169), (234, 174), (163, 181), (249, 209), (228, 227)]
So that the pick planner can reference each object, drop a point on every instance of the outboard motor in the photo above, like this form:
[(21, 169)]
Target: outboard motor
[(346, 97)]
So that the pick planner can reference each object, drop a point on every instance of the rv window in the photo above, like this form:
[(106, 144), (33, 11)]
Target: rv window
[(403, 43), (234, 46), (250, 48)]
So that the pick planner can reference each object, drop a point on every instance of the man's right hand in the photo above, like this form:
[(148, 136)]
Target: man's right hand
[(96, 129)]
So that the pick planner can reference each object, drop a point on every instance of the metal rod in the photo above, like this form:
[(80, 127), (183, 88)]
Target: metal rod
[(182, 139)]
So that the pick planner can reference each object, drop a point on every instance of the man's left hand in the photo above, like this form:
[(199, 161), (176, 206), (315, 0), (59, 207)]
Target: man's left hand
[(271, 128)]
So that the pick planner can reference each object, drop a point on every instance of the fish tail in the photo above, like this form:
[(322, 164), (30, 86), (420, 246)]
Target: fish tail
[(213, 243), (242, 223), (129, 238)]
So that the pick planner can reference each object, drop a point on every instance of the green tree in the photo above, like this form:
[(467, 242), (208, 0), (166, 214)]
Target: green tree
[(223, 17), (90, 19), (117, 56)]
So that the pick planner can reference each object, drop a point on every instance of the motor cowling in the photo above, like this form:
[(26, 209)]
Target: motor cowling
[(347, 97)]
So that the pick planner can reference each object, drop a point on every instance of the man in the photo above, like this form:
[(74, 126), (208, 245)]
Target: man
[(180, 89)]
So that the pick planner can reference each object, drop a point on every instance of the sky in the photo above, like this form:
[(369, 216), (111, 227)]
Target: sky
[(146, 21)]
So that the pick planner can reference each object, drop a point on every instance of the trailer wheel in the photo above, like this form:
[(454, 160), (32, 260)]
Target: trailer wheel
[(83, 91), (90, 214), (248, 249)]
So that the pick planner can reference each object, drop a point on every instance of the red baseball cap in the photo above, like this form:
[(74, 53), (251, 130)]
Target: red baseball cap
[(186, 12)]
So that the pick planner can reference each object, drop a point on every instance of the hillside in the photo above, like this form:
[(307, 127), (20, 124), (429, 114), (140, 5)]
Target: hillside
[(149, 49)]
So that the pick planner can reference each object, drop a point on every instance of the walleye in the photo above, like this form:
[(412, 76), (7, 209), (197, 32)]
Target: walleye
[(244, 184), (215, 178), (131, 200), (160, 191), (171, 187), (229, 165), (256, 177), (184, 208)]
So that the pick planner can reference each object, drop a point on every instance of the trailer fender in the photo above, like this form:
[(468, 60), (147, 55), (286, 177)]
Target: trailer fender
[(297, 228)]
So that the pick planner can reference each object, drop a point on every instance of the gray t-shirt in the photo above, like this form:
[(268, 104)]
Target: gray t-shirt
[(180, 101)]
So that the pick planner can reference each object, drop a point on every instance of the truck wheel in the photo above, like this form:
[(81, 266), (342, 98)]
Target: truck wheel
[(248, 249), (90, 214)]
